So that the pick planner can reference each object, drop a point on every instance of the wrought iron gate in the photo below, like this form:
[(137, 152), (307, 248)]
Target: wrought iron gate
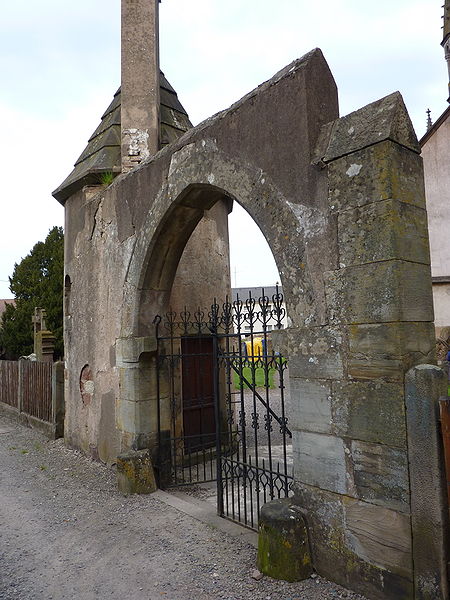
[(221, 404)]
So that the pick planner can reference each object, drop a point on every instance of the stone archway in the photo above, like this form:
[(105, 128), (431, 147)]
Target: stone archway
[(341, 204), (356, 307), (179, 207)]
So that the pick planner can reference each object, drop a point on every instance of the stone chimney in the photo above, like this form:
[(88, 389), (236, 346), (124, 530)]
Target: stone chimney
[(140, 81)]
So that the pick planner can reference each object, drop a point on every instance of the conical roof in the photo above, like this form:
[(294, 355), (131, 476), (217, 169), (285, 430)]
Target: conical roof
[(102, 153)]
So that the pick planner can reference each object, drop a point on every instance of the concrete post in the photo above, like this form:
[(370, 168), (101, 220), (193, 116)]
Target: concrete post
[(20, 387), (140, 93), (425, 384), (58, 406)]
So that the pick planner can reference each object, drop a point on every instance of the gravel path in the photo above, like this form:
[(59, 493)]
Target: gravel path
[(67, 533)]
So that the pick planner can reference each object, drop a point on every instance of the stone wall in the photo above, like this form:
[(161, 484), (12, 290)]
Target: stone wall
[(352, 461), (203, 273)]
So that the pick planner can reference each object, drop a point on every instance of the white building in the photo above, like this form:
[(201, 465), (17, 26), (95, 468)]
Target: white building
[(436, 160), (275, 307)]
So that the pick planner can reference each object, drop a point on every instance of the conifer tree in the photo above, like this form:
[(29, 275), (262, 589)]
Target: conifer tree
[(36, 281)]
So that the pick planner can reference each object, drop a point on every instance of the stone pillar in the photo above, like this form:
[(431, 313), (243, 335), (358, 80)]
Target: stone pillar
[(136, 414), (140, 93), (38, 320), (347, 377), (44, 346)]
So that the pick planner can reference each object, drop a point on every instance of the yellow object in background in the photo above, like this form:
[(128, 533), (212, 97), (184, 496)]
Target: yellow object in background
[(257, 351)]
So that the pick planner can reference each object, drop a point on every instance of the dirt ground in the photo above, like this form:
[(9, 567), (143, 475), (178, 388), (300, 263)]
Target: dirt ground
[(67, 533)]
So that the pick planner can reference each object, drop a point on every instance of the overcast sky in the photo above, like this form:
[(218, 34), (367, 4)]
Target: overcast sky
[(60, 66)]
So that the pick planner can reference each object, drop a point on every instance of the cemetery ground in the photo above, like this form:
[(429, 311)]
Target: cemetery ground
[(67, 533)]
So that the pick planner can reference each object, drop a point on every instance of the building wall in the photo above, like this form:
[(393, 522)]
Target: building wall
[(203, 273), (95, 266), (275, 315), (436, 160), (96, 261), (441, 302)]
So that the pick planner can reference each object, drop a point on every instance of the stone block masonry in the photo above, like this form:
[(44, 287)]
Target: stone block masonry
[(356, 434)]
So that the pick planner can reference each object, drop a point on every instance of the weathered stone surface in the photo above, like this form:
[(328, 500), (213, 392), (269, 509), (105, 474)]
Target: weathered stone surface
[(368, 471), (44, 345), (135, 473), (380, 292), (380, 475), (385, 171), (334, 557), (136, 417), (385, 119), (283, 546), (387, 350), (384, 230), (124, 246), (129, 381), (369, 411), (425, 385), (315, 352), (320, 460), (309, 95), (211, 270), (310, 405), (140, 89), (128, 350), (380, 536), (108, 440)]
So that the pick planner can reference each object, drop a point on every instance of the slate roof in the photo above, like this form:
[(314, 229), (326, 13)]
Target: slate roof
[(102, 154)]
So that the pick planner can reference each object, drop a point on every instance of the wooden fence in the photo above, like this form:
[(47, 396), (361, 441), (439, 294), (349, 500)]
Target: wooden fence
[(37, 389), (9, 383), (34, 391)]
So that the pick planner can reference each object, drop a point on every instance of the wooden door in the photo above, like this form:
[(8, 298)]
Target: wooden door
[(198, 392)]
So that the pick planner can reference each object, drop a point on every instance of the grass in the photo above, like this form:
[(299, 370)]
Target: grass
[(260, 379), (106, 178)]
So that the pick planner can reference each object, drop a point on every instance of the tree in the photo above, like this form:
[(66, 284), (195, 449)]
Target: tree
[(36, 281)]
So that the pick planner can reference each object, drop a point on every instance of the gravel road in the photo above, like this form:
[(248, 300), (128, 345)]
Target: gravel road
[(67, 533)]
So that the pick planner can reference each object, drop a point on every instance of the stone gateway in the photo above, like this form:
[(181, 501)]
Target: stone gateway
[(341, 204)]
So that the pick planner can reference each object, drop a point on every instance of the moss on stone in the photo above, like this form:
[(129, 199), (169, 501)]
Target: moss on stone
[(283, 548), (135, 473)]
